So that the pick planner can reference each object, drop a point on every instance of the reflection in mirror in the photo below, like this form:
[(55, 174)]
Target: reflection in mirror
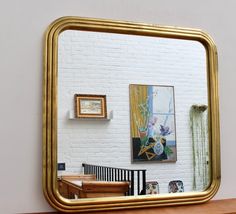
[(154, 138)]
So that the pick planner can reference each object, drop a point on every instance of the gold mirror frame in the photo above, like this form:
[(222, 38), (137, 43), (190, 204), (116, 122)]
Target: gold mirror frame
[(50, 115)]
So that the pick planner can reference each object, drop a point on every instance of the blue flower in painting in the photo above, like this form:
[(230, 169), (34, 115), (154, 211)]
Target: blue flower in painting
[(165, 130)]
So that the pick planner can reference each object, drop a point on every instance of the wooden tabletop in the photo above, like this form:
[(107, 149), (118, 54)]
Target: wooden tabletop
[(226, 206), (211, 207)]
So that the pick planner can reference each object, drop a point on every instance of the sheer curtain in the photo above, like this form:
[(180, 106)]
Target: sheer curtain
[(199, 131)]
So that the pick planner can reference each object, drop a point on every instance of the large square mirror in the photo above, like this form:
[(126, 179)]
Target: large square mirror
[(130, 115)]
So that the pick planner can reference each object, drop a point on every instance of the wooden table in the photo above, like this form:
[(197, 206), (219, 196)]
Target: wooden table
[(74, 187), (67, 186), (226, 206)]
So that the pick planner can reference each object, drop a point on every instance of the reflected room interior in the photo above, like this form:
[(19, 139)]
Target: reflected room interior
[(150, 133)]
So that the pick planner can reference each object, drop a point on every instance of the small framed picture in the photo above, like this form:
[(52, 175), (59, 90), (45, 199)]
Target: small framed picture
[(90, 106)]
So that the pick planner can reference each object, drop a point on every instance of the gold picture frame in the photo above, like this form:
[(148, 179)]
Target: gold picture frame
[(90, 106), (50, 116)]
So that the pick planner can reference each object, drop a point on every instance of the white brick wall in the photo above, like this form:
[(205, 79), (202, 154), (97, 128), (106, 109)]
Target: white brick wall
[(101, 63)]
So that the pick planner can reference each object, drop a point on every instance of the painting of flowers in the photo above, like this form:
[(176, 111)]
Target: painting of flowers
[(152, 119)]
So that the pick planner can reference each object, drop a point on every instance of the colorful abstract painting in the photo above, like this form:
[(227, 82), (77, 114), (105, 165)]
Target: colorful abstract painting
[(152, 115)]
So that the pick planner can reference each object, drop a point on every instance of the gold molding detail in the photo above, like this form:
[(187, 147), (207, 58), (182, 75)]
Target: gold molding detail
[(50, 116)]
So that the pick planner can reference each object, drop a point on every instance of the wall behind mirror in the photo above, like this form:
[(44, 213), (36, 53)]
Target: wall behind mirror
[(107, 63)]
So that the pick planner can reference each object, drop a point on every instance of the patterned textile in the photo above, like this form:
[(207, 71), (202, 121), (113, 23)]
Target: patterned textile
[(176, 186)]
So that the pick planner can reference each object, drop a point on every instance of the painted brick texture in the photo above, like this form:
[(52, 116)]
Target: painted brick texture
[(101, 63)]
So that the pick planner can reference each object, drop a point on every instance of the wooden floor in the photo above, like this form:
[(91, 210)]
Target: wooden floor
[(212, 207)]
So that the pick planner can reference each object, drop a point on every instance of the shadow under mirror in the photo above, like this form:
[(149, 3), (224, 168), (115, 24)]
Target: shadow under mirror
[(132, 115)]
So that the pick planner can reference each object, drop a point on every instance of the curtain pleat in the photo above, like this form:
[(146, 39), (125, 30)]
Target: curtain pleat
[(138, 99), (199, 131)]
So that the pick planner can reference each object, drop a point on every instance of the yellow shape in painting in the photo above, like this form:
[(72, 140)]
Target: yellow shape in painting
[(145, 148), (150, 155)]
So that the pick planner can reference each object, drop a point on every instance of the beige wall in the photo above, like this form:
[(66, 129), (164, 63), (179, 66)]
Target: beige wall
[(21, 51)]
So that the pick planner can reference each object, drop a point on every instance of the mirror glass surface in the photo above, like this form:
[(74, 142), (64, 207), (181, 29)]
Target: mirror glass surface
[(157, 114)]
